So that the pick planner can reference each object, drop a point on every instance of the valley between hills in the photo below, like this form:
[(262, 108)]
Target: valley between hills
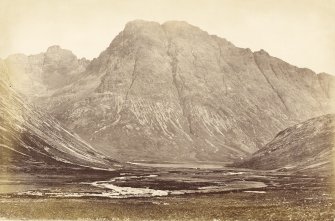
[(167, 123)]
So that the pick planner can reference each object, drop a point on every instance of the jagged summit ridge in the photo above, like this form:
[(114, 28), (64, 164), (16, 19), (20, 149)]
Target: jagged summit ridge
[(41, 74)]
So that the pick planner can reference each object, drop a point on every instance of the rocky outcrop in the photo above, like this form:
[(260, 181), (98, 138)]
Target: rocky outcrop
[(173, 92), (305, 147)]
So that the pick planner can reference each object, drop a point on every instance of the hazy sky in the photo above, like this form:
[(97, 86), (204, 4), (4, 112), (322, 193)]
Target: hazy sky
[(301, 32)]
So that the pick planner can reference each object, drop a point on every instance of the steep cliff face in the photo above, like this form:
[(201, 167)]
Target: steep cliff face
[(308, 146), (174, 92)]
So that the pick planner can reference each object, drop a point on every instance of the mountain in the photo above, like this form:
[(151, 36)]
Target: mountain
[(308, 146), (173, 92), (40, 75), (32, 139)]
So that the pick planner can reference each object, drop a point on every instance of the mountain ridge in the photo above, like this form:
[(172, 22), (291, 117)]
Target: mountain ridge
[(307, 146), (31, 139), (173, 92)]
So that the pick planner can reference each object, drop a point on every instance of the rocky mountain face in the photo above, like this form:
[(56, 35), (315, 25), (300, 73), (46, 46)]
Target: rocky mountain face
[(32, 139), (308, 146), (173, 92), (40, 75)]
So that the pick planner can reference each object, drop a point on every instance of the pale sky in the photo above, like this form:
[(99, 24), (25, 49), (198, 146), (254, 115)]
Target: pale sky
[(301, 32)]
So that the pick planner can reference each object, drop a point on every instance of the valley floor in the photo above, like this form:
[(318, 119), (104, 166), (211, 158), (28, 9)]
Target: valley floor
[(274, 205), (166, 193)]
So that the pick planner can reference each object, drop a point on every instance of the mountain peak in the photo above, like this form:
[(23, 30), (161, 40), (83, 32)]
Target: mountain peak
[(135, 25), (262, 52), (57, 53), (57, 50), (140, 22), (173, 86), (54, 48), (183, 28), (179, 24), (173, 25)]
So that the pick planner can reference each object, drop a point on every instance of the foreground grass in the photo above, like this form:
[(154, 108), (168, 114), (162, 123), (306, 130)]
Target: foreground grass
[(278, 205)]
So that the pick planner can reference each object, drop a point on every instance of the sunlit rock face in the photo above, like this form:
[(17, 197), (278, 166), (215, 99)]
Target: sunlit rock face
[(173, 92), (307, 146)]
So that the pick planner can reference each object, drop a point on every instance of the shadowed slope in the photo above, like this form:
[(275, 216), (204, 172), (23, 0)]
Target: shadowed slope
[(307, 146), (31, 138)]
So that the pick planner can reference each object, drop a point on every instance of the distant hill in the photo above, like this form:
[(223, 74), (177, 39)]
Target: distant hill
[(308, 147)]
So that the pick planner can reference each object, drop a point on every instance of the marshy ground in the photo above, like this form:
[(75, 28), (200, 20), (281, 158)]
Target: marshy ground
[(166, 193)]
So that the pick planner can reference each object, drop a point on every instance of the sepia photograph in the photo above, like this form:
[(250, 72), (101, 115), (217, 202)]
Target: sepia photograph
[(167, 110)]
